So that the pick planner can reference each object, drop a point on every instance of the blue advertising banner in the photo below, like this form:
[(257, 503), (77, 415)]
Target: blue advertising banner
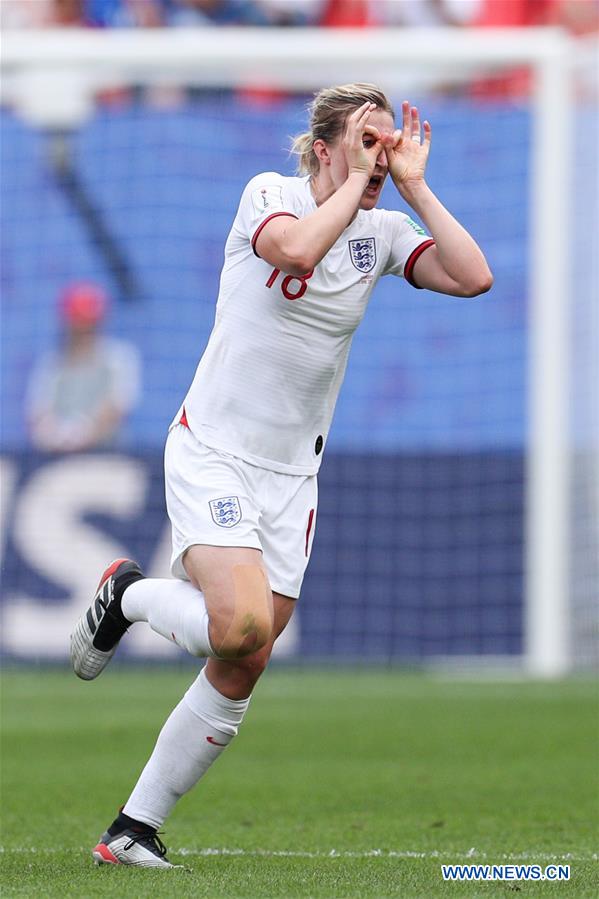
[(415, 556)]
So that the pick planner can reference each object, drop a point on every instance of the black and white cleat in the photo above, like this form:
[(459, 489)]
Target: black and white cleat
[(139, 846), (96, 635)]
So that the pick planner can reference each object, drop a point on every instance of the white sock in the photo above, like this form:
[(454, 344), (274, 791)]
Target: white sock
[(193, 737), (174, 609)]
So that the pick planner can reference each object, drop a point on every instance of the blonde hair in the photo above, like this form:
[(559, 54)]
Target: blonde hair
[(328, 113)]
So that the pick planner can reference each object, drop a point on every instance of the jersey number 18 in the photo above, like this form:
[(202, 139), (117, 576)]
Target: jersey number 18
[(287, 281)]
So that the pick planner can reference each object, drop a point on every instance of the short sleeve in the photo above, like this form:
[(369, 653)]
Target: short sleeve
[(407, 240), (41, 389), (125, 373), (265, 197)]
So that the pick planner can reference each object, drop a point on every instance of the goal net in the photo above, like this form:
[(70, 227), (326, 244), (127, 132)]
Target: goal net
[(458, 498)]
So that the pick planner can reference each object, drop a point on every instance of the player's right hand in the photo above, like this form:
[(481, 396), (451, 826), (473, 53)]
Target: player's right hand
[(361, 142)]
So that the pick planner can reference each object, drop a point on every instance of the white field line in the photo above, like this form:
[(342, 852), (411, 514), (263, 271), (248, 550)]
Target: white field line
[(333, 853)]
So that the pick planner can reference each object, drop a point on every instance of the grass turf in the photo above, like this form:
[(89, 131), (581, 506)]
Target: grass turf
[(452, 771)]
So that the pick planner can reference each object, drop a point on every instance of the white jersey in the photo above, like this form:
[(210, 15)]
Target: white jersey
[(266, 386)]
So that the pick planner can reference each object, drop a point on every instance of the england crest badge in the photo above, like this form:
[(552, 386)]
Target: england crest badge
[(363, 254), (225, 511)]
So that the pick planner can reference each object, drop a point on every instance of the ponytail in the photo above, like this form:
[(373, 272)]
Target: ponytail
[(302, 147)]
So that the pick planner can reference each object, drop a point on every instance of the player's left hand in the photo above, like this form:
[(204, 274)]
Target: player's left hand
[(407, 151)]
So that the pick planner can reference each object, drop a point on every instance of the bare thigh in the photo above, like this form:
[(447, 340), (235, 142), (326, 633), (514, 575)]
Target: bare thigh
[(238, 597)]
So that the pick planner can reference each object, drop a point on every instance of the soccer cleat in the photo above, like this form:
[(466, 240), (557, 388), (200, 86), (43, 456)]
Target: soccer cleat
[(139, 846), (96, 635)]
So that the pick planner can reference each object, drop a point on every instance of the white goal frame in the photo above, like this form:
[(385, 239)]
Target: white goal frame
[(38, 69)]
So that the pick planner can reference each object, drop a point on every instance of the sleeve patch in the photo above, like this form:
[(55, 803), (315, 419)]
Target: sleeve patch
[(268, 198), (414, 225)]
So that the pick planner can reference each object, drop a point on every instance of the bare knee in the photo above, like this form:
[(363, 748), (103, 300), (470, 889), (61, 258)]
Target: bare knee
[(236, 678), (244, 621), (243, 638)]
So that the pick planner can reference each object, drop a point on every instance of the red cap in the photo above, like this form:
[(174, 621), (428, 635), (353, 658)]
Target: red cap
[(83, 303)]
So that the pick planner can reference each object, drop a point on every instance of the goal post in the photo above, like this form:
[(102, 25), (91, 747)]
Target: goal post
[(51, 79), (548, 648)]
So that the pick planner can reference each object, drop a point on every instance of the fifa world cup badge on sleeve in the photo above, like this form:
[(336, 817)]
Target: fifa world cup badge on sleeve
[(363, 253), (268, 198), (225, 511)]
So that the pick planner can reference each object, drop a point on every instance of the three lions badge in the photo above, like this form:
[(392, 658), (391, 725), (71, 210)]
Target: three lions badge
[(225, 511), (363, 254)]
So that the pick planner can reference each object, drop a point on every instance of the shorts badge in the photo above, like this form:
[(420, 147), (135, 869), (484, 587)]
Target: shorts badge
[(363, 254), (225, 511)]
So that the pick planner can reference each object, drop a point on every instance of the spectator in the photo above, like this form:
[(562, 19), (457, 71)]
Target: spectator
[(577, 16), (124, 13), (190, 13), (427, 13), (39, 14), (347, 14), (284, 13), (80, 394)]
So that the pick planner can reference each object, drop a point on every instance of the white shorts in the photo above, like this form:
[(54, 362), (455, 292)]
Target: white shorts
[(216, 499)]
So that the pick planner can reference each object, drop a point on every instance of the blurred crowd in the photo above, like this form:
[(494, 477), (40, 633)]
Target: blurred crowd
[(578, 16)]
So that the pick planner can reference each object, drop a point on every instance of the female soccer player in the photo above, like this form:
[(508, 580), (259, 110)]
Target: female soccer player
[(242, 454)]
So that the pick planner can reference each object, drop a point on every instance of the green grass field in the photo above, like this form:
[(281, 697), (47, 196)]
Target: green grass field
[(341, 784)]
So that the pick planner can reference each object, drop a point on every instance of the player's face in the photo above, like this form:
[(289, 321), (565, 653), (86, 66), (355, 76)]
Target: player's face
[(339, 170)]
